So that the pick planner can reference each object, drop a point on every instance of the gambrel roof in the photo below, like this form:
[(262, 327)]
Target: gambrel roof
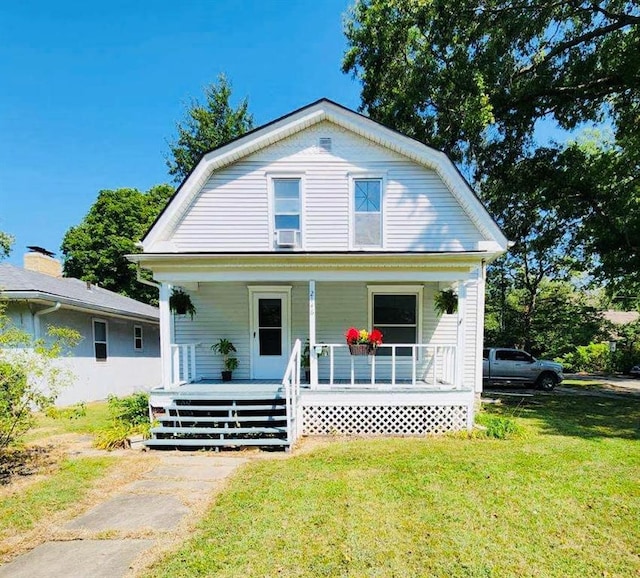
[(303, 118)]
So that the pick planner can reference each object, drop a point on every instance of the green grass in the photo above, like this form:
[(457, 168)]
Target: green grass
[(21, 511), (96, 417), (560, 500)]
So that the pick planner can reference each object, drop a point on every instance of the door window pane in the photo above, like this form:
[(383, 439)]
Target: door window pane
[(270, 326), (270, 341), (270, 313)]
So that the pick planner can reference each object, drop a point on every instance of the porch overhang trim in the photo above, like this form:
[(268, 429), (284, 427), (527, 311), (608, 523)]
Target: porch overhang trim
[(398, 267)]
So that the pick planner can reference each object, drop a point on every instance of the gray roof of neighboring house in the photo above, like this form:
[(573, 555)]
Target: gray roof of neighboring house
[(19, 283)]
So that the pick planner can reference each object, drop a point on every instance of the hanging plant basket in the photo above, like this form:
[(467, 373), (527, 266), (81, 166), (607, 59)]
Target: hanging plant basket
[(180, 303), (446, 302)]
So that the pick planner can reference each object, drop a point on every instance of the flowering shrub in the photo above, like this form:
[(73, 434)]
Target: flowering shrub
[(363, 337)]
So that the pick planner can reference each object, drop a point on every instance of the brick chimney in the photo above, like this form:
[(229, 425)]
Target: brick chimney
[(42, 261)]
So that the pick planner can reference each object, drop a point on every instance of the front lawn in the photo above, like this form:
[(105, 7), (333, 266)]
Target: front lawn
[(563, 500)]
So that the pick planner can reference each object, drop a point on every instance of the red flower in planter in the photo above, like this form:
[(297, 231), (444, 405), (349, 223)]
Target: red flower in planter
[(352, 335), (375, 337)]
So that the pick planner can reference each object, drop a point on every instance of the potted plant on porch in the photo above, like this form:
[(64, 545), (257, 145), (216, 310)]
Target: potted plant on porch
[(225, 348)]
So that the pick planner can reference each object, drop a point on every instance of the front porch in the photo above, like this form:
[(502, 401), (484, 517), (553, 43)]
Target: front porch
[(268, 413), (422, 379)]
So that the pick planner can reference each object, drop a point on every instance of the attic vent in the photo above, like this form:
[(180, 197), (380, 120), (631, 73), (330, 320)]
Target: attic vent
[(325, 143)]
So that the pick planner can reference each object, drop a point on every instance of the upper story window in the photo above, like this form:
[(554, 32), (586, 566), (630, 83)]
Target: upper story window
[(137, 338), (286, 195), (100, 339), (367, 212)]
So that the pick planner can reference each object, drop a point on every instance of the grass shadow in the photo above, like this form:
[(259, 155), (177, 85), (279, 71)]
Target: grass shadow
[(588, 417)]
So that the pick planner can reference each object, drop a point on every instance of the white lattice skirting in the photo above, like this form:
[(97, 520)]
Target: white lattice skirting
[(389, 420)]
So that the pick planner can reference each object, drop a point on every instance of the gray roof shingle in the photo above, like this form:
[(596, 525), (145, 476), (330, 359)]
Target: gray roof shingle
[(16, 280)]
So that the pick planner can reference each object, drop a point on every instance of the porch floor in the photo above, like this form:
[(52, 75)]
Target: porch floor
[(275, 386)]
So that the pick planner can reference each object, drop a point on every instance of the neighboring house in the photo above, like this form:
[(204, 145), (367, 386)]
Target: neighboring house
[(300, 229), (120, 348)]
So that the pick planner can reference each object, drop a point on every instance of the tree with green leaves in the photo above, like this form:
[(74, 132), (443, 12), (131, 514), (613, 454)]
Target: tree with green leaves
[(476, 78), (95, 249), (206, 127), (30, 379), (6, 242)]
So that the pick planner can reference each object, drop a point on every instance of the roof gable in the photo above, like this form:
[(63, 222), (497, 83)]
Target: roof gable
[(302, 119)]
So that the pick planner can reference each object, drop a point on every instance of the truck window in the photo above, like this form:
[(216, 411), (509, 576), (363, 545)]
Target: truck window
[(513, 355), (485, 354)]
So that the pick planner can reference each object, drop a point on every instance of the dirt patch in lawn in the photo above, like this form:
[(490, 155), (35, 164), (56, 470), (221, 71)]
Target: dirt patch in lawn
[(19, 463)]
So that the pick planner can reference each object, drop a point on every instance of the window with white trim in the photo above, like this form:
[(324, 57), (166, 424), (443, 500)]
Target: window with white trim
[(137, 338), (100, 331), (367, 212), (286, 204), (396, 312)]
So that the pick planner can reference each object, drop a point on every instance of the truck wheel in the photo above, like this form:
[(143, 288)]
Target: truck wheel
[(546, 382)]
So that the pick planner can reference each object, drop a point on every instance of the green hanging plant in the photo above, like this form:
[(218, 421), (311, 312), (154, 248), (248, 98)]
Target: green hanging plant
[(180, 303), (446, 301)]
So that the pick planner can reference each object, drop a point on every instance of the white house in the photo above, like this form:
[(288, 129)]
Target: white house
[(314, 223), (119, 352)]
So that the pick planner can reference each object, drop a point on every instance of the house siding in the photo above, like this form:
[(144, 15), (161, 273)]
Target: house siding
[(125, 369), (419, 212)]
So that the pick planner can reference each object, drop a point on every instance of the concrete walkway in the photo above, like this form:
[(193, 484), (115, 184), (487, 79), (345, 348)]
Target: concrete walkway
[(112, 538)]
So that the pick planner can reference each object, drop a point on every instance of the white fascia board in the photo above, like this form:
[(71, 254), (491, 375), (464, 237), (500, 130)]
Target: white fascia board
[(182, 269)]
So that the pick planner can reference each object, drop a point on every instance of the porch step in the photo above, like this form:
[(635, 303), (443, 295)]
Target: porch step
[(210, 418), (192, 407), (219, 419), (199, 443), (229, 396), (217, 430)]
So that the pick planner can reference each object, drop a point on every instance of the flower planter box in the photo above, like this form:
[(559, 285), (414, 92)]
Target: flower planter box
[(360, 349)]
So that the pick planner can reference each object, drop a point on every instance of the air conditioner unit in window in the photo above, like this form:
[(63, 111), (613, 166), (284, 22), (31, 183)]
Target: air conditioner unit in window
[(286, 237)]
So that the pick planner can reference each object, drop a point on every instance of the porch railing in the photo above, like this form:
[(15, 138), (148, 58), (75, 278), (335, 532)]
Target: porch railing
[(291, 385), (427, 364), (183, 363)]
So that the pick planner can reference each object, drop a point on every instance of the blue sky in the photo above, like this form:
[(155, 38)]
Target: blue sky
[(90, 92)]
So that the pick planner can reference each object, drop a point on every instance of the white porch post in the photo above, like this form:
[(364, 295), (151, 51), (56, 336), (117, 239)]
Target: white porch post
[(165, 334), (313, 358), (480, 288), (460, 349)]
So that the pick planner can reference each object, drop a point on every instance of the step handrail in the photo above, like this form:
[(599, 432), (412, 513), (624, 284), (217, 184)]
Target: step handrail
[(291, 385)]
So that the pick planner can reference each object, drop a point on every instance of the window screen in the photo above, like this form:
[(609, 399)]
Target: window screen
[(100, 340), (286, 194), (397, 317), (367, 219)]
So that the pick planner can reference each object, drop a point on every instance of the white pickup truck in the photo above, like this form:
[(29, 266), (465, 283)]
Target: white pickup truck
[(502, 365)]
